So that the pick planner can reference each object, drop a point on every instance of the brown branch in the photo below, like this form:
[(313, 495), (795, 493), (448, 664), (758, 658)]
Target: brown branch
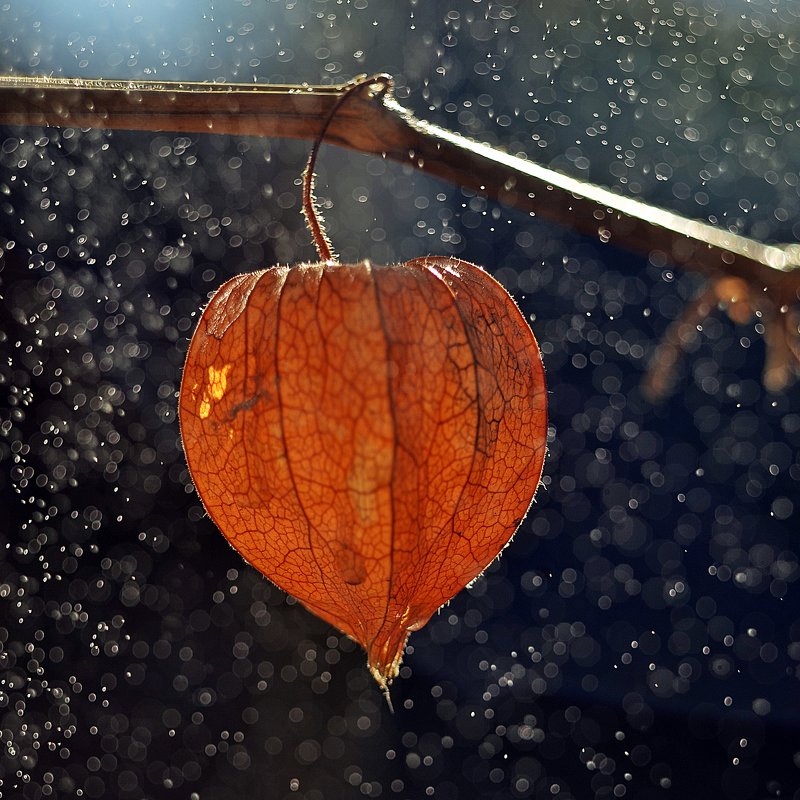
[(660, 377), (736, 297), (378, 124)]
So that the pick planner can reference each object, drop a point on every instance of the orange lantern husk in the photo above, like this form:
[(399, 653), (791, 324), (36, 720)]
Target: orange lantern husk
[(369, 437)]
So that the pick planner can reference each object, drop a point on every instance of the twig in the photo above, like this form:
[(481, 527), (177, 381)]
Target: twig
[(378, 124), (660, 378)]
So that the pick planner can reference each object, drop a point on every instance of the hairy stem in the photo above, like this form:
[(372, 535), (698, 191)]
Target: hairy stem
[(377, 84)]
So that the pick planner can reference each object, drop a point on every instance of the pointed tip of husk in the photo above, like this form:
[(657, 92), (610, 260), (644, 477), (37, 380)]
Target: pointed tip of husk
[(383, 674), (384, 658), (385, 671)]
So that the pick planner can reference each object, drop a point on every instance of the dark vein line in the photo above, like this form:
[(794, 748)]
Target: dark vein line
[(392, 412), (478, 409), (278, 317), (245, 438)]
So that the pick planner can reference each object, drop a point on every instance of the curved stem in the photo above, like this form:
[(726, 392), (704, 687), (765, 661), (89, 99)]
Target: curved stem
[(312, 214)]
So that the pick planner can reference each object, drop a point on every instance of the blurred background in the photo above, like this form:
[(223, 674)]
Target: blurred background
[(639, 637)]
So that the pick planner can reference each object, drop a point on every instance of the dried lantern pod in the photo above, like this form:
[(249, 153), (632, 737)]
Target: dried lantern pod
[(369, 437)]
